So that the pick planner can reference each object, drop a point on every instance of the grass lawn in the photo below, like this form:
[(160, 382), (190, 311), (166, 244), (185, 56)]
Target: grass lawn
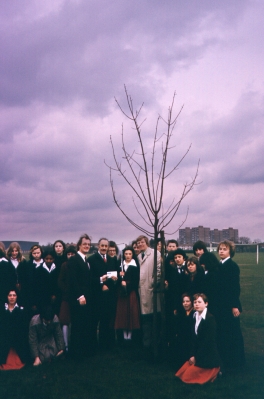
[(124, 374)]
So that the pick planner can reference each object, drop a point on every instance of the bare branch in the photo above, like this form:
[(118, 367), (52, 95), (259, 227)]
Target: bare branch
[(182, 223), (148, 188), (180, 161)]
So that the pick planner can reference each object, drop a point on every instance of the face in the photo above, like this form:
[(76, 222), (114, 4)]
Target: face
[(128, 256), (135, 247), (85, 245), (187, 303), (70, 254), (178, 259), (199, 252), (14, 253), (199, 304), (159, 246), (58, 248), (224, 251), (49, 260), (12, 298), (36, 254), (103, 247), (142, 245), (112, 252), (191, 267), (171, 247)]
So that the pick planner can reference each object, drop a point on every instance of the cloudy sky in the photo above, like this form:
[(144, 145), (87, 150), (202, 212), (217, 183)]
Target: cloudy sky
[(63, 63)]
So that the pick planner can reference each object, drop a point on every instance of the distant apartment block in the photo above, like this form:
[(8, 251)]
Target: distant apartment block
[(188, 235)]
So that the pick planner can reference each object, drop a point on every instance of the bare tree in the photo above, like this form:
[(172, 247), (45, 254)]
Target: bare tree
[(145, 171), (245, 240)]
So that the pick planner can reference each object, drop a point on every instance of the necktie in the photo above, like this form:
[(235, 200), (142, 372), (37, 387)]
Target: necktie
[(142, 255)]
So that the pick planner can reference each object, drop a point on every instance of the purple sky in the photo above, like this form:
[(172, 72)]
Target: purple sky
[(62, 64)]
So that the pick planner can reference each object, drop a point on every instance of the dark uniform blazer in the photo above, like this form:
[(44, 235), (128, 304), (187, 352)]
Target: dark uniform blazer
[(99, 268), (204, 346), (229, 285), (80, 278)]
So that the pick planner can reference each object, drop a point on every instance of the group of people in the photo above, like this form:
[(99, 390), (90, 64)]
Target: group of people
[(203, 309), (67, 301)]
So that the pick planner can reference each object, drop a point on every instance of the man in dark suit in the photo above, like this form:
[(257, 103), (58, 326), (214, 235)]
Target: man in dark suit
[(81, 301), (104, 271)]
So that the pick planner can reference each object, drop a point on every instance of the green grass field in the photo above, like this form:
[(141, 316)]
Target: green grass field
[(124, 374)]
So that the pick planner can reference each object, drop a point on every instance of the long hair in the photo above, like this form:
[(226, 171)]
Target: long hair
[(199, 245), (195, 260), (14, 245), (134, 256), (62, 243), (2, 250)]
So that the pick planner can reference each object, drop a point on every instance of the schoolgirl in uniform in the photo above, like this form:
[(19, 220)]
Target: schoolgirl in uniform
[(204, 362), (231, 343)]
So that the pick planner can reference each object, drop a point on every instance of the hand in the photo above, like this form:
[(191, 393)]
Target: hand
[(105, 288), (123, 283), (192, 360), (114, 278), (53, 298), (104, 277), (37, 361), (122, 274), (59, 353), (235, 312), (82, 301), (166, 284), (175, 312)]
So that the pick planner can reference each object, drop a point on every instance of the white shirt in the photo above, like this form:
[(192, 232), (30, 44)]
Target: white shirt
[(132, 263), (38, 263), (224, 260), (199, 317), (53, 267), (82, 256), (15, 262), (84, 259)]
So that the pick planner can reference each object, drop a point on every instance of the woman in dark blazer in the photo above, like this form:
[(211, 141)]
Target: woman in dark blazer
[(204, 363), (128, 312), (211, 282), (19, 264), (231, 343), (46, 292), (179, 348), (14, 350), (8, 277), (193, 281)]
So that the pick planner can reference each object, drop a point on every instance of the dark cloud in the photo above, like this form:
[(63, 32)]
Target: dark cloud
[(63, 62), (85, 49)]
